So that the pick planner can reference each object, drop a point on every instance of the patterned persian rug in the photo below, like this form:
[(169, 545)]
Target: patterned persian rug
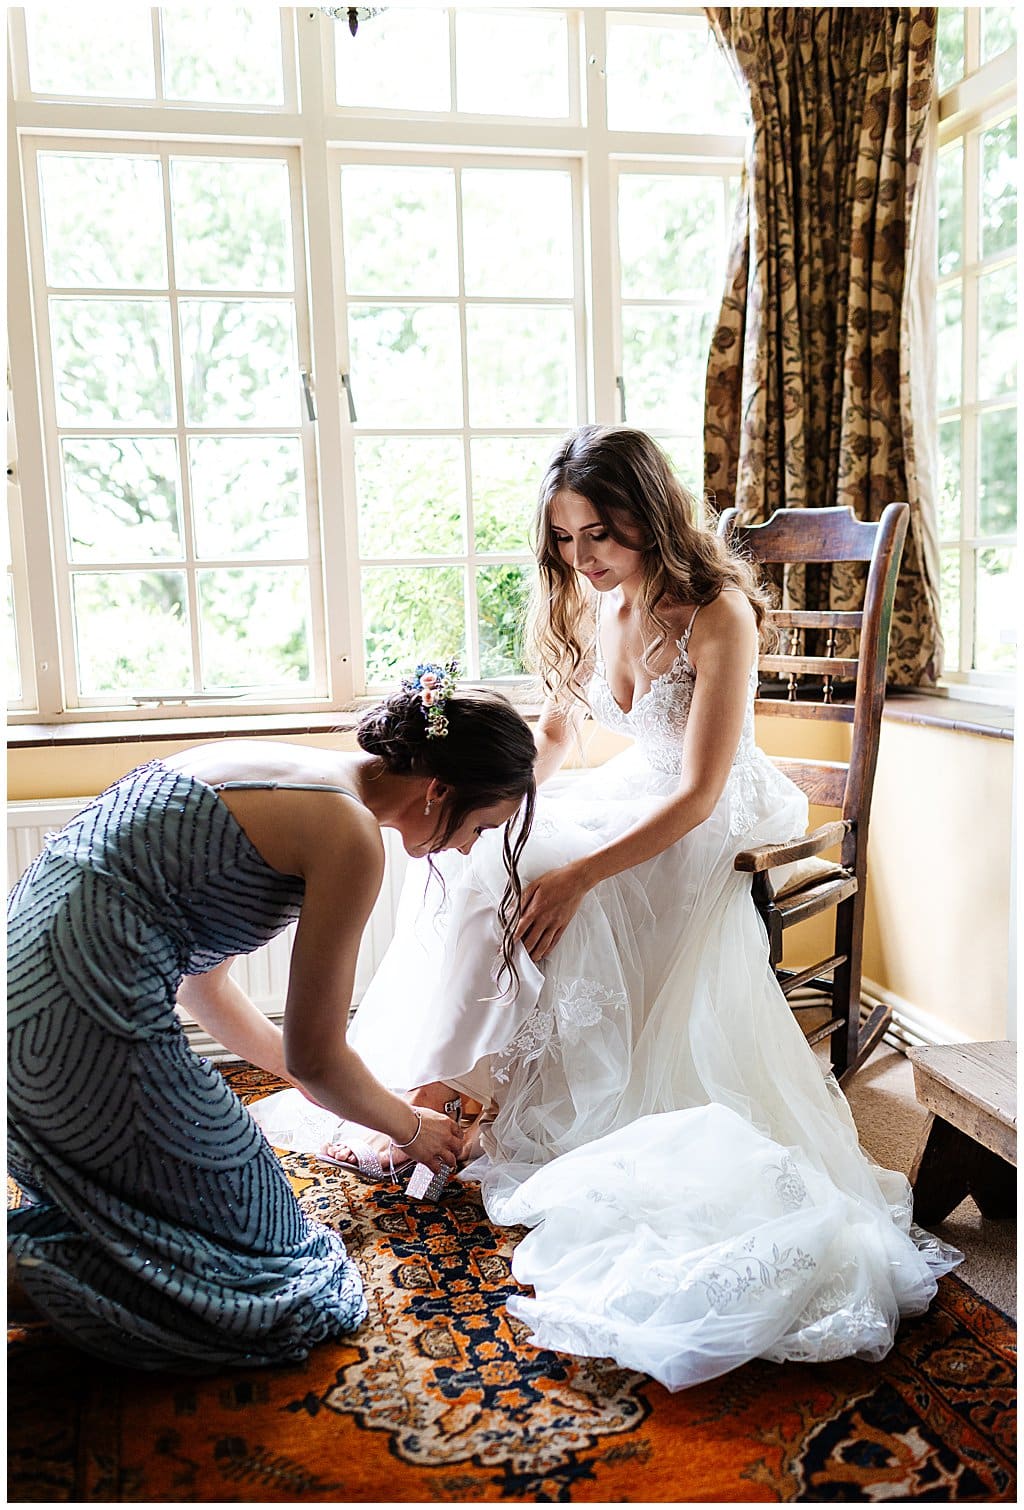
[(439, 1397)]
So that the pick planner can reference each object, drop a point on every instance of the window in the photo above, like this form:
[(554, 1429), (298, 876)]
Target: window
[(297, 374), (977, 342)]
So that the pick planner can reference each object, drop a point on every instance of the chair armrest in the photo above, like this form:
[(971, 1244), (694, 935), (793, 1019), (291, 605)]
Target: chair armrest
[(765, 856)]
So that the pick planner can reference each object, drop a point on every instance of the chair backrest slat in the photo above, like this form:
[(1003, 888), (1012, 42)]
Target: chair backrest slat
[(828, 535), (813, 535), (822, 781), (807, 618), (780, 707), (811, 665)]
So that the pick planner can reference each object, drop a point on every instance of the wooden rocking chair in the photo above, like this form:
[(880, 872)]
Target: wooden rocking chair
[(827, 535)]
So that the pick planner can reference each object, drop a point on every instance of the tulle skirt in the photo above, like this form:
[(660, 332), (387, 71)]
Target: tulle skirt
[(691, 1173)]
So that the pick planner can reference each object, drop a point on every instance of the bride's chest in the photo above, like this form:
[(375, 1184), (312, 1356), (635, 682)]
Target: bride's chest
[(628, 673)]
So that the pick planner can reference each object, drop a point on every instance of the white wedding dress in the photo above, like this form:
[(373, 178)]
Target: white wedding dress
[(691, 1174)]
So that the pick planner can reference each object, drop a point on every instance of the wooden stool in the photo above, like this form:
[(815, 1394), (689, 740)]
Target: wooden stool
[(969, 1143)]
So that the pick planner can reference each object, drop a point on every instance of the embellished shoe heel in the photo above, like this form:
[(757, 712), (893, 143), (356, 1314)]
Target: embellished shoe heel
[(426, 1184)]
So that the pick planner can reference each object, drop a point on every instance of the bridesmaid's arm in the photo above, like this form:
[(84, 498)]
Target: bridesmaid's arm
[(722, 654), (219, 1005), (342, 870)]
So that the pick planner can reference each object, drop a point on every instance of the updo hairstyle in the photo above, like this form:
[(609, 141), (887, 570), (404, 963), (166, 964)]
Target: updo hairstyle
[(487, 756)]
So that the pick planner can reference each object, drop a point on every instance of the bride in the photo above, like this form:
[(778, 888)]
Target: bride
[(645, 1101)]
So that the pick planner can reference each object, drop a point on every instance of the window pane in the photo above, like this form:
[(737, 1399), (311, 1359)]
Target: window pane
[(132, 632), (949, 314), (997, 333), (671, 235), (112, 361), (91, 50), (520, 365), (400, 230), (949, 480), (664, 362), (232, 223), (406, 364), (517, 232), (998, 30), (398, 61), (255, 627), (248, 496), (949, 46), (997, 472), (239, 362), (996, 610), (121, 496), (225, 54), (412, 493), (103, 220), (949, 593), (670, 78), (502, 594), (506, 476), (951, 208), (12, 658), (412, 614), (511, 64), (999, 187)]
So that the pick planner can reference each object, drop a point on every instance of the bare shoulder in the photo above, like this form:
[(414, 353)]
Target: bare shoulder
[(726, 625), (337, 841)]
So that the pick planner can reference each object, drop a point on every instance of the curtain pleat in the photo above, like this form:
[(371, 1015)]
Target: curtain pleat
[(820, 365)]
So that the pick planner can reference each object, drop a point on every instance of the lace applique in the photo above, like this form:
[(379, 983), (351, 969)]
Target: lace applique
[(529, 1043), (789, 1185), (657, 723), (743, 794), (581, 1003), (561, 1013), (725, 1284), (860, 1326)]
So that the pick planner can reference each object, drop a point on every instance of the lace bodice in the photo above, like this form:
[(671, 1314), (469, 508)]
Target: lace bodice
[(657, 719)]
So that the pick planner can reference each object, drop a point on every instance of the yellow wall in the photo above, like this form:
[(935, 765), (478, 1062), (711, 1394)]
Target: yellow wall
[(938, 907)]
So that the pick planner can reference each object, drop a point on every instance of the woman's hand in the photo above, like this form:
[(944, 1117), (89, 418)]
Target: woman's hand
[(438, 1141), (549, 905)]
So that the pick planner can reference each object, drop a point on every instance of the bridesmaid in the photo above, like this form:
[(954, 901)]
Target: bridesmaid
[(160, 1230)]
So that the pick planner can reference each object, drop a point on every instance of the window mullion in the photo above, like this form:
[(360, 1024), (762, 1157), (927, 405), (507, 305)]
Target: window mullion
[(181, 432), (601, 291), (339, 571), (32, 388), (470, 598), (158, 51)]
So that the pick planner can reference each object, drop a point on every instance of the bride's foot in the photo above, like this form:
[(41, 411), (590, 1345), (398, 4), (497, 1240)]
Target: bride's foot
[(376, 1157)]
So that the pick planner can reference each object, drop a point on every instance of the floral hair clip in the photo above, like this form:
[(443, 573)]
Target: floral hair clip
[(434, 684)]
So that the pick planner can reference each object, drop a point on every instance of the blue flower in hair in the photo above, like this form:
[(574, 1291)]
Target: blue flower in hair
[(434, 683)]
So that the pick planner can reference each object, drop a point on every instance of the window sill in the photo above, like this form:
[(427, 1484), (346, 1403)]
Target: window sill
[(192, 730), (957, 714), (938, 711)]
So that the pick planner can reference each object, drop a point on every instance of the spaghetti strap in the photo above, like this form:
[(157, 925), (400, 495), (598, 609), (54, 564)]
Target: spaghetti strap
[(275, 786), (686, 632)]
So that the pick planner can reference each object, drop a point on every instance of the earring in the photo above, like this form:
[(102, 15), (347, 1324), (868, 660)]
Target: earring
[(426, 810)]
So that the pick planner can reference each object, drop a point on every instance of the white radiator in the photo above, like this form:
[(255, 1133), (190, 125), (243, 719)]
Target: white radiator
[(263, 976)]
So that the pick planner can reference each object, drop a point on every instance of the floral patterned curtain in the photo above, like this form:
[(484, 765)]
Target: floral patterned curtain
[(824, 350)]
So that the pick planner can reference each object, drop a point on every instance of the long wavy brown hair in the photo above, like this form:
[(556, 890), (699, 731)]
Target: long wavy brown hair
[(640, 501)]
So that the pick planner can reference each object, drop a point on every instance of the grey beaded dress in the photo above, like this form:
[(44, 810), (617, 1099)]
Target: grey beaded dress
[(161, 1231)]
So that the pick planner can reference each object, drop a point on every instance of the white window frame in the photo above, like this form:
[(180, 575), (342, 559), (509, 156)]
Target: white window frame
[(985, 95), (319, 131), (64, 566), (464, 433)]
